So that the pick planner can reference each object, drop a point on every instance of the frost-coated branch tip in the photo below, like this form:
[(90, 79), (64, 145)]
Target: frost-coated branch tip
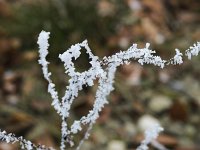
[(150, 135), (24, 144)]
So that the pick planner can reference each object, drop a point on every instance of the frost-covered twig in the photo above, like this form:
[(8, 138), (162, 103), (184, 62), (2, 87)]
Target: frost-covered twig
[(43, 52), (150, 135), (86, 136), (24, 144)]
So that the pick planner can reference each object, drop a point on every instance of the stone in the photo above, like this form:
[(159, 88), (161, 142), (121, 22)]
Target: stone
[(146, 122), (160, 103), (116, 145)]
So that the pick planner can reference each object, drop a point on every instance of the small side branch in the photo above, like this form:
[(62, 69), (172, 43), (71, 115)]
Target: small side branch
[(24, 144)]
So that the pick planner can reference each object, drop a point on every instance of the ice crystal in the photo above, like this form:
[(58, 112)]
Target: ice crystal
[(193, 50)]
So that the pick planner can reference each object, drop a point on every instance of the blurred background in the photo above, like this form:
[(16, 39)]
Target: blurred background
[(142, 95)]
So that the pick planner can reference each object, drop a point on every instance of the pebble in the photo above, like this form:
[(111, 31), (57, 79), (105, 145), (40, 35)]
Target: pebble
[(146, 122), (160, 103), (116, 145), (130, 129), (87, 145)]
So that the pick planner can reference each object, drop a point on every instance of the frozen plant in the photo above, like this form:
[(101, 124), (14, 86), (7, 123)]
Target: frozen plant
[(150, 135), (105, 79), (25, 144), (103, 70)]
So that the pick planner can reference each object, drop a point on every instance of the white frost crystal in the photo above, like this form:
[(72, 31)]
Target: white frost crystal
[(178, 57), (193, 50)]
